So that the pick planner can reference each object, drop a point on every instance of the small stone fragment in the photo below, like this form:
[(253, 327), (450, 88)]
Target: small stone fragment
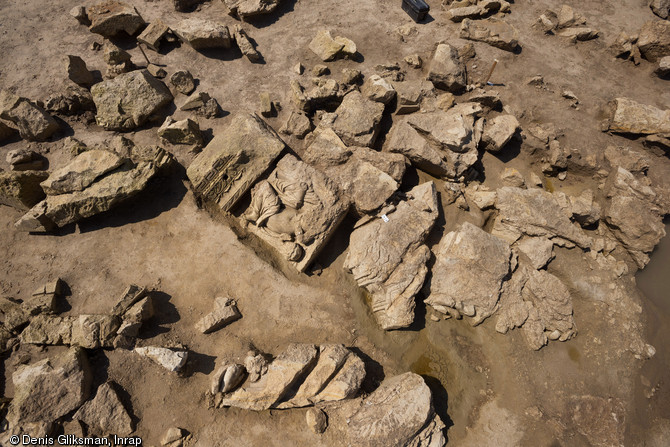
[(181, 132), (378, 89), (267, 108), (298, 125), (79, 13), (21, 190), (78, 72), (414, 61), (26, 160), (153, 34), (105, 413), (498, 132), (246, 47), (156, 71), (316, 420), (446, 70), (111, 18), (320, 70), (494, 32), (174, 437), (225, 312), (202, 34), (31, 120), (167, 358)]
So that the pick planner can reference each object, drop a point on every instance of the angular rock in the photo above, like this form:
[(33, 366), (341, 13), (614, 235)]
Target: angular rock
[(94, 331), (584, 209), (316, 420), (105, 413), (397, 413), (21, 190), (251, 8), (535, 212), (227, 378), (246, 47), (324, 46), (345, 383), (153, 34), (282, 373), (232, 162), (26, 160), (31, 120), (661, 8), (581, 33), (167, 358), (488, 99), (127, 101), (48, 330), (295, 211), (512, 177), (267, 108), (202, 34), (225, 312), (663, 70), (409, 95), (635, 162), (81, 172), (654, 40), (70, 100), (378, 89), (111, 18), (387, 256), (357, 121), (105, 193), (325, 93), (632, 214), (183, 82), (447, 71), (181, 132), (51, 388), (494, 32), (174, 437), (202, 104), (499, 131), (539, 250), (298, 125), (77, 71), (470, 268), (481, 196), (630, 117)]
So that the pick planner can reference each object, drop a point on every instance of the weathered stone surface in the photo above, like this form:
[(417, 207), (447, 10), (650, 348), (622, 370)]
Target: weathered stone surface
[(494, 32), (48, 330), (512, 177), (535, 212), (631, 160), (174, 437), (441, 143), (296, 210), (105, 413), (183, 82), (378, 89), (232, 162), (447, 71), (70, 100), (94, 331), (26, 160), (225, 311), (100, 196), (316, 419), (663, 69), (282, 373), (633, 215), (539, 250), (181, 132), (111, 17), (298, 124), (21, 190), (410, 93), (324, 46), (584, 209), (499, 131), (169, 359), (387, 256), (202, 104), (51, 388), (153, 34), (81, 172), (127, 101), (654, 39), (628, 116), (250, 8), (77, 71), (397, 413), (357, 121), (227, 378), (470, 268), (345, 383), (482, 196), (202, 34), (246, 46), (323, 94), (578, 33), (31, 120), (598, 419)]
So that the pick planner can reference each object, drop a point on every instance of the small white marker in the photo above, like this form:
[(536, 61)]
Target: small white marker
[(385, 218)]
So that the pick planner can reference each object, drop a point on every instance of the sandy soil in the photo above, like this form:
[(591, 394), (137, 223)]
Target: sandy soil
[(164, 240)]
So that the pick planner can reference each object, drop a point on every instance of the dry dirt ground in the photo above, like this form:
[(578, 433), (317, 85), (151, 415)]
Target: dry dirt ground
[(490, 389)]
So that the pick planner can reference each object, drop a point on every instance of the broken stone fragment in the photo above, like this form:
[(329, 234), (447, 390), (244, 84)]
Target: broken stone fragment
[(325, 93), (246, 47), (182, 81), (414, 60), (410, 94), (48, 330), (113, 55), (329, 48), (378, 89), (357, 121), (654, 40), (578, 33), (174, 437), (51, 388), (181, 132), (397, 237), (70, 100), (489, 99), (663, 69), (232, 162), (26, 160), (79, 13), (202, 34), (31, 120), (539, 250), (446, 70), (111, 17), (267, 108), (470, 268), (628, 116), (167, 358), (584, 209), (227, 378), (127, 101), (21, 190), (156, 71), (105, 413), (153, 34), (81, 172), (251, 8), (94, 331), (298, 124), (661, 8), (499, 131), (77, 71), (494, 32), (399, 412), (225, 312), (351, 76), (316, 420), (512, 177)]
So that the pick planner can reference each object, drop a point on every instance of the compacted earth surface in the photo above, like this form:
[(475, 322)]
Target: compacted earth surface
[(290, 223)]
